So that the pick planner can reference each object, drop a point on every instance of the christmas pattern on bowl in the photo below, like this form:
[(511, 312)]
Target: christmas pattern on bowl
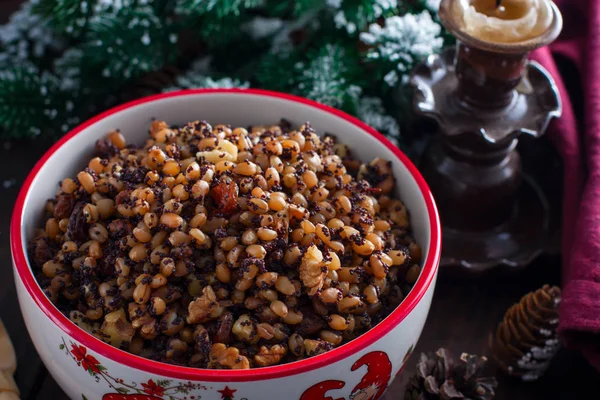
[(371, 387)]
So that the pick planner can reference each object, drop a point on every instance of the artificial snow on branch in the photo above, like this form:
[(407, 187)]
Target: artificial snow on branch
[(403, 41), (63, 61)]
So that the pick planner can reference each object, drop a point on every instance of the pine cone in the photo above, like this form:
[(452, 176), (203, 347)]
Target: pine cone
[(438, 377), (527, 338)]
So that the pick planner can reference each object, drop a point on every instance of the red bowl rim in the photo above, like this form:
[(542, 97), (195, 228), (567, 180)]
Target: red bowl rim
[(120, 356)]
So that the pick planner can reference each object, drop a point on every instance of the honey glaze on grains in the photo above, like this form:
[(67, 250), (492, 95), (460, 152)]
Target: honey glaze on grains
[(226, 248)]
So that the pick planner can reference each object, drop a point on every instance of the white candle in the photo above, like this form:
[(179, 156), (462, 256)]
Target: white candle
[(514, 21)]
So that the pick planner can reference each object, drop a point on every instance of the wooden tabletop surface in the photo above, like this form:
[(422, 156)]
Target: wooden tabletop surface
[(465, 311)]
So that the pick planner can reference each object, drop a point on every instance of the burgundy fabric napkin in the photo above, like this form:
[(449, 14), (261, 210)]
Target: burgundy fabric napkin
[(578, 141)]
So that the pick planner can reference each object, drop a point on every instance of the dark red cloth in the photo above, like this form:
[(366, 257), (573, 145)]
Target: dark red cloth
[(579, 144)]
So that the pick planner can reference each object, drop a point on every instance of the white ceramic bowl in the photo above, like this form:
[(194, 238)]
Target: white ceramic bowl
[(85, 366)]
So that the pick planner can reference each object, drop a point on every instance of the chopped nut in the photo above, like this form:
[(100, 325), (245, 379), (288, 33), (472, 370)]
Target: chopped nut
[(312, 270), (245, 329), (269, 355), (200, 310), (223, 357), (115, 329)]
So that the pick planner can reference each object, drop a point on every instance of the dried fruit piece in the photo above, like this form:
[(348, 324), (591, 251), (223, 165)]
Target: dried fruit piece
[(224, 330), (310, 324), (225, 196), (42, 251), (64, 205), (379, 174), (78, 227)]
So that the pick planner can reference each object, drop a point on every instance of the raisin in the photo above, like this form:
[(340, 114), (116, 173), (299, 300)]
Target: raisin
[(225, 196), (64, 206), (42, 251), (122, 198), (78, 227), (119, 228), (224, 329), (311, 323), (105, 148)]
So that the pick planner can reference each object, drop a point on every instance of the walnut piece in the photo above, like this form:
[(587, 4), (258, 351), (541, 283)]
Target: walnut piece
[(115, 329), (223, 357), (200, 309), (245, 329), (270, 355), (312, 270)]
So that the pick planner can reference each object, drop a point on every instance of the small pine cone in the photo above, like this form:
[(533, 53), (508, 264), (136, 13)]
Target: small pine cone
[(527, 338), (438, 377)]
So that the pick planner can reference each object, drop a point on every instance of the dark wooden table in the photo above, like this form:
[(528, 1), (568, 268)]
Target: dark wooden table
[(463, 314)]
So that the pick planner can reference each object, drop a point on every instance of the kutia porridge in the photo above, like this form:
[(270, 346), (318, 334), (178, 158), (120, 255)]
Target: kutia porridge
[(215, 247)]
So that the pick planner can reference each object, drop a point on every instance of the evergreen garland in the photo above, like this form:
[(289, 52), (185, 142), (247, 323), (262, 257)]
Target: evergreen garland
[(62, 61)]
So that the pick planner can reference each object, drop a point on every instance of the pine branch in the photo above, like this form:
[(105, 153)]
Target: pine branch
[(372, 112), (200, 75), (276, 71), (279, 9), (27, 38), (70, 17), (327, 78), (128, 44), (394, 49), (26, 102), (355, 15), (217, 22), (304, 6), (216, 8)]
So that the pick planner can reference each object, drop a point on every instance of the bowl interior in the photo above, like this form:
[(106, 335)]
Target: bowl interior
[(238, 108)]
